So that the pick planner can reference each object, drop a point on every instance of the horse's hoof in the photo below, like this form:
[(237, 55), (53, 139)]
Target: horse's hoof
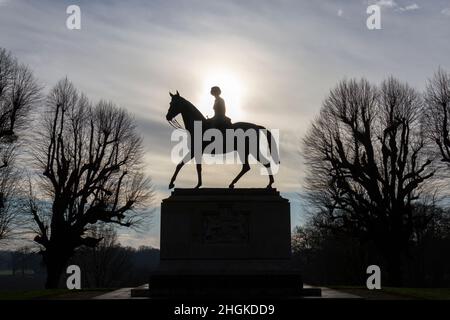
[(171, 185), (231, 186), (269, 186), (198, 186)]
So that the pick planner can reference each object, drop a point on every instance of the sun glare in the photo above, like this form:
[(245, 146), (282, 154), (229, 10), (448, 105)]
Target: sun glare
[(231, 89)]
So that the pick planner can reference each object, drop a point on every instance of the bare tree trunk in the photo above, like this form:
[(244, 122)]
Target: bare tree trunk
[(55, 262)]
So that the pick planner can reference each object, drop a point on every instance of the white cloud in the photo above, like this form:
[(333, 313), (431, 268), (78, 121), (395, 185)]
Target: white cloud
[(340, 12), (446, 12), (394, 5), (410, 7), (386, 3)]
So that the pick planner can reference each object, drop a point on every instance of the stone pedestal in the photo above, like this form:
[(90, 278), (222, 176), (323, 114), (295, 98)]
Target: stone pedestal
[(225, 241)]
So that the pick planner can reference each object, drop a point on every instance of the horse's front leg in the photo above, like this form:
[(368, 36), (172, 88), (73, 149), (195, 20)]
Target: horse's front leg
[(199, 175), (178, 168)]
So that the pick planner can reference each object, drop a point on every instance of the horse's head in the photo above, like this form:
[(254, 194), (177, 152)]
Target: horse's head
[(175, 106), (179, 105)]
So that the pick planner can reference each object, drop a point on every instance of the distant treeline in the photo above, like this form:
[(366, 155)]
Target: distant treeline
[(330, 257), (103, 267)]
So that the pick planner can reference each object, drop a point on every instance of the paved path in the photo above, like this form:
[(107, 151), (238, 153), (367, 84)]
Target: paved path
[(327, 293), (120, 294)]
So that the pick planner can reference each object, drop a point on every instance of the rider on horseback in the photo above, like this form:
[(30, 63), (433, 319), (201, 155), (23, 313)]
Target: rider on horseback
[(191, 116), (219, 121)]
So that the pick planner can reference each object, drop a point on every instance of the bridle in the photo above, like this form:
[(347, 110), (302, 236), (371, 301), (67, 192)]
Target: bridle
[(175, 124)]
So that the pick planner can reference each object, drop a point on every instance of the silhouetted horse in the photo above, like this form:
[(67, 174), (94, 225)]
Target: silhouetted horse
[(190, 114)]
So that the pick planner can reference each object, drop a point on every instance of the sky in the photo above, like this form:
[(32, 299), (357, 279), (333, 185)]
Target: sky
[(274, 60)]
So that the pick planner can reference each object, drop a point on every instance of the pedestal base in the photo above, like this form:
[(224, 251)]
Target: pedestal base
[(225, 242), (226, 277)]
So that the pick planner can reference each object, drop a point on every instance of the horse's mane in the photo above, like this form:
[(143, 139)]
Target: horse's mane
[(195, 111)]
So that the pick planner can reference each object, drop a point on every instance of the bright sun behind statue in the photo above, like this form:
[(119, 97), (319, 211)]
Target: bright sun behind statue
[(231, 92)]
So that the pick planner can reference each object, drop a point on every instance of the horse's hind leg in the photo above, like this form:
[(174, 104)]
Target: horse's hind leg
[(199, 175), (271, 180), (245, 168), (266, 163)]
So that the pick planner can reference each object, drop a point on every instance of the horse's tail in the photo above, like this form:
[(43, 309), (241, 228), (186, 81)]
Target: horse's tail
[(272, 147)]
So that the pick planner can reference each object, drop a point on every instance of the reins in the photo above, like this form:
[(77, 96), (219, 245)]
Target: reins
[(175, 124)]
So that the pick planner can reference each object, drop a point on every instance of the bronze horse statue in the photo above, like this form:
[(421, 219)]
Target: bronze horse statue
[(190, 114)]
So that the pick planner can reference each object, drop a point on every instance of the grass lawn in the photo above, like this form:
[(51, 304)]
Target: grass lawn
[(5, 272), (51, 294), (398, 293), (422, 293)]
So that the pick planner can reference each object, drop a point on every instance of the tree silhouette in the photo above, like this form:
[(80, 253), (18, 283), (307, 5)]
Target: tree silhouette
[(436, 119), (90, 158), (19, 93), (10, 210), (366, 164)]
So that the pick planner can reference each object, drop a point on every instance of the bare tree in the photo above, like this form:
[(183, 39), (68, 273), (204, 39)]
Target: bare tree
[(19, 92), (91, 164), (366, 164), (10, 206), (436, 117)]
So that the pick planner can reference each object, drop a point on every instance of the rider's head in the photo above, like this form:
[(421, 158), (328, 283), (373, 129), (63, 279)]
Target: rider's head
[(215, 91)]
